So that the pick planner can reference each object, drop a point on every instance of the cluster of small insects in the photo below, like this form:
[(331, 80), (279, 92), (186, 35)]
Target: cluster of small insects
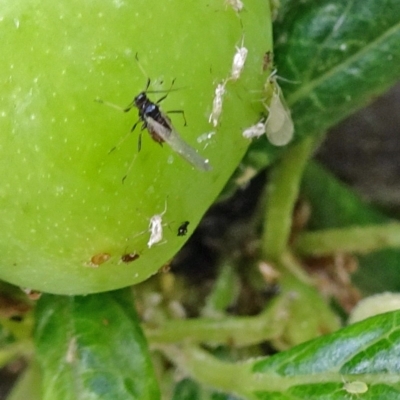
[(239, 60)]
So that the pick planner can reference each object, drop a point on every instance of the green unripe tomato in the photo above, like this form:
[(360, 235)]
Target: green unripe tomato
[(70, 225)]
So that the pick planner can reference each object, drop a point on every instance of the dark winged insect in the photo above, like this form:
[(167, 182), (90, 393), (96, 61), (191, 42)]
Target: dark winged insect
[(129, 257), (182, 230), (161, 129)]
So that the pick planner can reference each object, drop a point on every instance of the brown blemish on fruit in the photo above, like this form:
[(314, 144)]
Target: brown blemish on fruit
[(32, 294), (99, 259)]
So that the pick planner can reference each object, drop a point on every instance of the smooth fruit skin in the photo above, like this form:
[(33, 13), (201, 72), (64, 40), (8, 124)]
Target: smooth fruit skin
[(67, 218)]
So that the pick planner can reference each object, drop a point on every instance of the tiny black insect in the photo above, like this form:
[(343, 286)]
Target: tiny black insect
[(129, 257), (182, 230)]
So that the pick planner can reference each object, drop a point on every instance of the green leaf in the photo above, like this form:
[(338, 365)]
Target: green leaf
[(336, 57), (333, 206), (363, 356), (93, 348)]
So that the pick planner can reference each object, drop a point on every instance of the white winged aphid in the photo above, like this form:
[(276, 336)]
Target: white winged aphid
[(156, 228), (279, 126), (161, 130), (239, 60), (217, 104)]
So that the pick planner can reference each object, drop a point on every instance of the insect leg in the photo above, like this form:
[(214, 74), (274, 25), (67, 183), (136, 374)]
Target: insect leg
[(124, 138), (135, 125), (129, 169), (148, 84), (178, 112), (129, 107), (140, 142)]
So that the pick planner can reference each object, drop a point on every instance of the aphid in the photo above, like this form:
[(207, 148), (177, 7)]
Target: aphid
[(355, 387), (239, 60), (161, 129), (255, 131), (129, 257), (279, 124), (237, 5), (217, 104), (156, 228), (182, 230)]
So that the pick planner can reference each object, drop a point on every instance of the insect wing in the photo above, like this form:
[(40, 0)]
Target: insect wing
[(173, 139), (279, 125)]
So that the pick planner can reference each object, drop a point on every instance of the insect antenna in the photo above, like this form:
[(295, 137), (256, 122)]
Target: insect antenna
[(107, 103), (129, 169)]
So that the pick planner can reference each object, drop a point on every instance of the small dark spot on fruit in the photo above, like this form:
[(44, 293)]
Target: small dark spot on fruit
[(129, 257)]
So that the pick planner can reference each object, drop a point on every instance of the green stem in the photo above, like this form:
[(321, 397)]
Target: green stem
[(363, 239), (239, 378), (282, 191), (208, 370), (225, 289), (237, 331)]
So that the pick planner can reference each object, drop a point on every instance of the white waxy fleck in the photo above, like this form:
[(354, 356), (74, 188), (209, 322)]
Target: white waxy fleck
[(205, 136), (217, 104), (237, 5), (239, 60), (279, 126), (254, 131)]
